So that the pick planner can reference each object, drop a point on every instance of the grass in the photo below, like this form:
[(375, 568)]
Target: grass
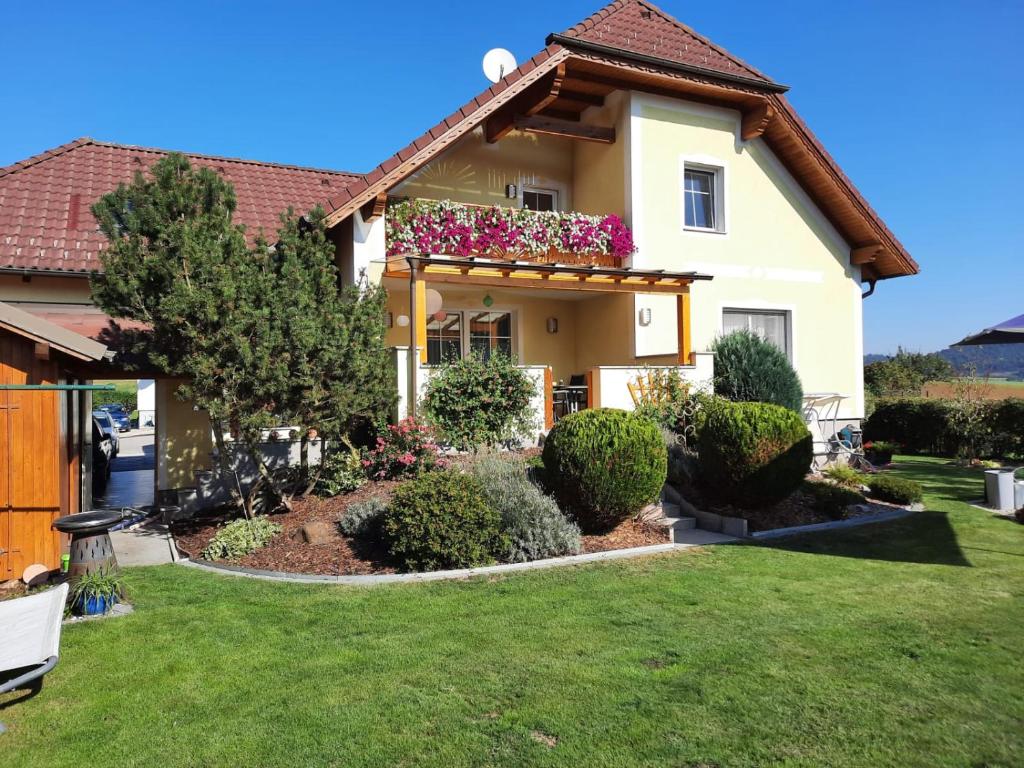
[(897, 644)]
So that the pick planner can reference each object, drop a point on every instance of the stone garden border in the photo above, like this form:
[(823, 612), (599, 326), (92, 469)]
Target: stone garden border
[(833, 525), (368, 580)]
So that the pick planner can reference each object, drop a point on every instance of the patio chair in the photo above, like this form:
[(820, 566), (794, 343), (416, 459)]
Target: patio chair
[(30, 639)]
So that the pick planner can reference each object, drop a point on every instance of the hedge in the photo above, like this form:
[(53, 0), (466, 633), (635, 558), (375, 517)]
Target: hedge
[(924, 426)]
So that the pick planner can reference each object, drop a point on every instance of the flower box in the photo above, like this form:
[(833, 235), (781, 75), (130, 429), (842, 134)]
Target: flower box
[(444, 227)]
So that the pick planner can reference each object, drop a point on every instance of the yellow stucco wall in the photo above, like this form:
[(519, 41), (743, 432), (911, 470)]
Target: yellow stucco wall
[(778, 251), (184, 442), (44, 288), (476, 172), (599, 170)]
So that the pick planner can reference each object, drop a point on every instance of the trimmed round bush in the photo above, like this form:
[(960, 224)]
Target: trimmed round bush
[(442, 520), (832, 500), (750, 369), (604, 465), (896, 490), (754, 454)]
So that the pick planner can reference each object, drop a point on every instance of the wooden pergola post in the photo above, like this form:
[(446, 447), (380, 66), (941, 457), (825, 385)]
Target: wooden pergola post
[(685, 330), (417, 329)]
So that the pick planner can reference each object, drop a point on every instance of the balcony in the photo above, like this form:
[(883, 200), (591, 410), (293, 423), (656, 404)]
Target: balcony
[(434, 227)]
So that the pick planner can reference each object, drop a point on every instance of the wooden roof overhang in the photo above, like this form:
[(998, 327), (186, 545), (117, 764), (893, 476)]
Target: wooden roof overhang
[(495, 273)]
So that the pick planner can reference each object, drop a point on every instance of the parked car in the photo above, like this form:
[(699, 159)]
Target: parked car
[(106, 422), (102, 457), (121, 418)]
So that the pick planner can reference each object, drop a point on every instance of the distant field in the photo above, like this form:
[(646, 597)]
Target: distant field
[(992, 389)]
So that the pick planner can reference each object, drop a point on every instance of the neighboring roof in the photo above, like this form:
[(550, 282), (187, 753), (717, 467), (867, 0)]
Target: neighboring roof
[(40, 330), (45, 218), (1007, 332), (640, 27)]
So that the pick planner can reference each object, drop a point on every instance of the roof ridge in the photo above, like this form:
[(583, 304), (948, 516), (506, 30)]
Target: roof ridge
[(86, 141), (617, 5), (46, 155)]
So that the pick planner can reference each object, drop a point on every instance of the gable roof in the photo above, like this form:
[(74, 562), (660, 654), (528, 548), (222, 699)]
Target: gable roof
[(645, 49), (46, 224), (641, 28)]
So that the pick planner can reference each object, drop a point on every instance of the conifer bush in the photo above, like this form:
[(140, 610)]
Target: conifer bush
[(604, 465), (750, 369), (895, 490), (754, 454)]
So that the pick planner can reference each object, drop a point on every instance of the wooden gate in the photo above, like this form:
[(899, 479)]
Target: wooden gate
[(31, 482)]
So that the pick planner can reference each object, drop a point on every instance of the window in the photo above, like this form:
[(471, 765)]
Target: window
[(700, 194), (769, 325), (490, 332), (540, 200), (444, 338), (460, 333)]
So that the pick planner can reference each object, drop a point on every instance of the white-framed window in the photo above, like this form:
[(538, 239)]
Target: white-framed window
[(537, 199), (461, 332), (703, 197), (771, 325)]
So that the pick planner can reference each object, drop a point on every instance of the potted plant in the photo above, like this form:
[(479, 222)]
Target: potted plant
[(880, 452), (96, 593)]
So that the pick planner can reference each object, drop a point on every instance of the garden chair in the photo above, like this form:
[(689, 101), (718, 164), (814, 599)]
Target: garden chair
[(30, 638)]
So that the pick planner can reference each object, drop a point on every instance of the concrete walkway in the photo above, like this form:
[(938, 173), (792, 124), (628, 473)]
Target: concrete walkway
[(147, 543)]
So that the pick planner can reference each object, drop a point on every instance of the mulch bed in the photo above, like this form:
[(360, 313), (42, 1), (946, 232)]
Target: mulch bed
[(340, 555)]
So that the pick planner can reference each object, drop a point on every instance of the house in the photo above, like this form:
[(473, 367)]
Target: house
[(45, 435), (653, 192)]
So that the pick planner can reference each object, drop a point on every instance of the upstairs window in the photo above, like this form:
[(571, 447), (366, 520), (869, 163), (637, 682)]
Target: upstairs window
[(540, 199), (700, 193)]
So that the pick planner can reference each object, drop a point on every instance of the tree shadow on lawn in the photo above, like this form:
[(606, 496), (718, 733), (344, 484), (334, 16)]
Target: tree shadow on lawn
[(924, 537)]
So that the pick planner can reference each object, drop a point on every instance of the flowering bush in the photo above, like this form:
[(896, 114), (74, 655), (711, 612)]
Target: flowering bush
[(436, 227), (407, 448)]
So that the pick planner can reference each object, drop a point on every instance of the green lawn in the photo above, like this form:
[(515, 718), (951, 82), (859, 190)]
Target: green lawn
[(898, 644)]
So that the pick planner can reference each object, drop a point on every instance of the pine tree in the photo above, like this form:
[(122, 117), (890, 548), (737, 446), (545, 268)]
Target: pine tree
[(262, 335)]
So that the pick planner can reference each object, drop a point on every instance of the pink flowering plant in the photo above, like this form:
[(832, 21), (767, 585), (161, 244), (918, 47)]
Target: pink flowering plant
[(404, 449), (444, 227)]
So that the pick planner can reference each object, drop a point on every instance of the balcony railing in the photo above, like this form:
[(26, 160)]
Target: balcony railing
[(457, 229)]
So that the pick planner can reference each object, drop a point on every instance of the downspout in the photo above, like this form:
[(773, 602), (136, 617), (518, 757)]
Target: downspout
[(870, 290)]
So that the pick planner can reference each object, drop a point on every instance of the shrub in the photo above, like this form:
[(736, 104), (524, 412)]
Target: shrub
[(442, 520), (1006, 425), (239, 538), (918, 425), (832, 500), (671, 402), (844, 475), (604, 465), (750, 369), (364, 518), (475, 402), (533, 523), (754, 454), (896, 490), (405, 449), (342, 470)]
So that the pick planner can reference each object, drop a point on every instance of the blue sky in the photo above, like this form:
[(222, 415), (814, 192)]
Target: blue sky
[(920, 102)]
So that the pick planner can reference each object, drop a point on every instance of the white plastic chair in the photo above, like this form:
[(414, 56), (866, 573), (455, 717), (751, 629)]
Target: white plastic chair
[(30, 637)]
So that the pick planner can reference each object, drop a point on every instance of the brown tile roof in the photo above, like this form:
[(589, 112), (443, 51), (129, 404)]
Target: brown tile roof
[(46, 224), (640, 27)]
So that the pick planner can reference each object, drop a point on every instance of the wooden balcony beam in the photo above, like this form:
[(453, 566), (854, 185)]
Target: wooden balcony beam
[(534, 99), (552, 126)]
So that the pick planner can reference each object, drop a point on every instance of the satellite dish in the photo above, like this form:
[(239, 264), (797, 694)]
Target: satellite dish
[(497, 63)]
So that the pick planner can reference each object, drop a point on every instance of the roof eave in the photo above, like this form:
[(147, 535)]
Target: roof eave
[(569, 42)]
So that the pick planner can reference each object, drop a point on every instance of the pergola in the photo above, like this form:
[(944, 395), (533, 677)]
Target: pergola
[(551, 275)]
